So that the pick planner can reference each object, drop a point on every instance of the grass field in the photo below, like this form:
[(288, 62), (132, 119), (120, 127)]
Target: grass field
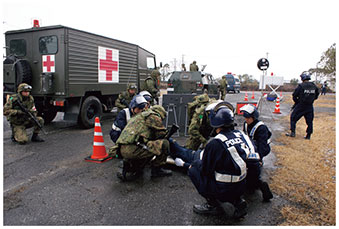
[(306, 173)]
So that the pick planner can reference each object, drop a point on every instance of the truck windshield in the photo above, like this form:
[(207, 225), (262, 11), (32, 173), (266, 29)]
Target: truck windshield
[(17, 47), (48, 45)]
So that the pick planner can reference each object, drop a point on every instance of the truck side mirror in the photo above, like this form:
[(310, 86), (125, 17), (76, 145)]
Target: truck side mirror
[(160, 64)]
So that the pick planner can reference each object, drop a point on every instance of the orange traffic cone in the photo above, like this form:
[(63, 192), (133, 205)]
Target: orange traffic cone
[(99, 150), (277, 107), (252, 95), (246, 97)]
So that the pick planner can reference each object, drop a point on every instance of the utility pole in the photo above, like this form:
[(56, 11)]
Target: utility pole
[(175, 64)]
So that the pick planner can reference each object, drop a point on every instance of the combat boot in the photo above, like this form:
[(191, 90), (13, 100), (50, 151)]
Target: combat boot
[(292, 134), (240, 206), (13, 138), (266, 192), (160, 172), (207, 209), (308, 137), (36, 138)]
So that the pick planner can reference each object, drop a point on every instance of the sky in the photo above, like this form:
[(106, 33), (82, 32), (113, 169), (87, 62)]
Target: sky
[(227, 36)]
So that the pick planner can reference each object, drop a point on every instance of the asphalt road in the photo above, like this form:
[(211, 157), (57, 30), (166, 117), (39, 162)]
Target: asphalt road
[(50, 183)]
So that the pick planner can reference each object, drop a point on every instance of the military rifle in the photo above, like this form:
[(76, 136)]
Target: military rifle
[(174, 128), (30, 115)]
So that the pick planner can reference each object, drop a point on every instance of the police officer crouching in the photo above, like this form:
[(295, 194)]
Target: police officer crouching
[(303, 97), (19, 120), (260, 135), (220, 174)]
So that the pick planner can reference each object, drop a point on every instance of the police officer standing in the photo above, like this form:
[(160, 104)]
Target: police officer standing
[(303, 97), (18, 119), (151, 84), (125, 97), (194, 67), (223, 87), (220, 174)]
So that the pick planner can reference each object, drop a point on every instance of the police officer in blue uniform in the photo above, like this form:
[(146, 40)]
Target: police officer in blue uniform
[(303, 97), (256, 130), (260, 135), (137, 105), (219, 175)]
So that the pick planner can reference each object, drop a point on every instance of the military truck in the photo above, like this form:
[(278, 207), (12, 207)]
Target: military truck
[(73, 71), (182, 82)]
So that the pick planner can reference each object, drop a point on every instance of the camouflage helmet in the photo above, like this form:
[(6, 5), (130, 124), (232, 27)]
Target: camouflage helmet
[(131, 86), (24, 87), (159, 110), (203, 98), (155, 73), (194, 62), (223, 77)]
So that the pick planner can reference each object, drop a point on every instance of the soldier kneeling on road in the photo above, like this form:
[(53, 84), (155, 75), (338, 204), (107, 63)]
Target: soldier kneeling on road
[(143, 138), (21, 112)]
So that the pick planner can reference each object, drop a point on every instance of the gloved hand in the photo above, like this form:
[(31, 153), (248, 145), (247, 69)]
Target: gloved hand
[(179, 162)]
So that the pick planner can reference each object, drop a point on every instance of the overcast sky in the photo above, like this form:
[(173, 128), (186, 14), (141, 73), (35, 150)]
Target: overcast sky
[(228, 36)]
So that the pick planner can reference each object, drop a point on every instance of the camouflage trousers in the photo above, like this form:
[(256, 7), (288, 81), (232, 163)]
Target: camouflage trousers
[(19, 130), (223, 94), (158, 148), (194, 143)]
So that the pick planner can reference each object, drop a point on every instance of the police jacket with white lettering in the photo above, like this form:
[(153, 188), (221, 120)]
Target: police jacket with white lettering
[(119, 123), (222, 168), (260, 134), (305, 94)]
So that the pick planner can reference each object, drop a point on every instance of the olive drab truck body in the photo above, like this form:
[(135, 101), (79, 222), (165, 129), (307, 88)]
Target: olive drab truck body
[(76, 72)]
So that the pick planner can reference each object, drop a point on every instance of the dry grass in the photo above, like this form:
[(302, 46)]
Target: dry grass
[(306, 172)]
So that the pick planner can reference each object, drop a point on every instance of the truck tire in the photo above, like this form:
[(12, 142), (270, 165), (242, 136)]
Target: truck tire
[(23, 72), (49, 115), (90, 109)]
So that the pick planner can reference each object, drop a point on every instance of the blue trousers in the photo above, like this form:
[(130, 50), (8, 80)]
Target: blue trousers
[(303, 111)]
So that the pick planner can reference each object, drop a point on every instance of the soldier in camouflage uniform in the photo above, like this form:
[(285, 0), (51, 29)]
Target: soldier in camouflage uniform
[(141, 140), (194, 67), (199, 128), (196, 103), (125, 97), (18, 119), (223, 87), (151, 84)]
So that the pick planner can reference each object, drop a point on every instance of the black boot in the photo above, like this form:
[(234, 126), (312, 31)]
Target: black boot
[(160, 172), (266, 192), (292, 134), (207, 209), (240, 208), (36, 138), (308, 137), (128, 173), (13, 138)]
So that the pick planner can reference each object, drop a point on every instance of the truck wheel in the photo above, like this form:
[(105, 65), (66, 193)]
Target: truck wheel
[(90, 109), (49, 115), (23, 72)]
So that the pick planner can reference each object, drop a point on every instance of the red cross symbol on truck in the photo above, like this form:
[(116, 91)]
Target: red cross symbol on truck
[(108, 65), (48, 63)]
